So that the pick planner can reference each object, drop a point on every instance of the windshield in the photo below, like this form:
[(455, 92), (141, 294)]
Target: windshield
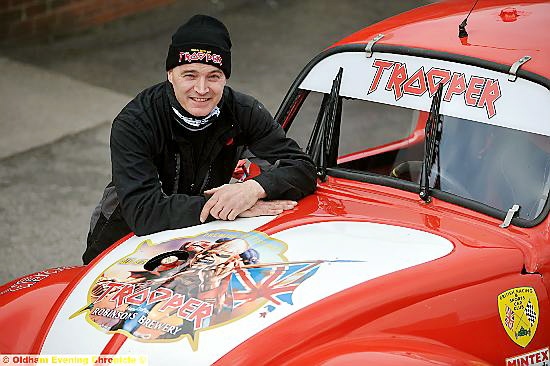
[(493, 165), (491, 147)]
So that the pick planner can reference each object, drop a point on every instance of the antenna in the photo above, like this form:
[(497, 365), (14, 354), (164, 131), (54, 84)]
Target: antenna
[(462, 27)]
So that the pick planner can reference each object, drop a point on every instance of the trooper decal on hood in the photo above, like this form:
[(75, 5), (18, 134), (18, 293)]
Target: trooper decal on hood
[(192, 284)]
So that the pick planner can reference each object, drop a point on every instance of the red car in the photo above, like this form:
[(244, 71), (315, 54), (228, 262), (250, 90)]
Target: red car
[(426, 242)]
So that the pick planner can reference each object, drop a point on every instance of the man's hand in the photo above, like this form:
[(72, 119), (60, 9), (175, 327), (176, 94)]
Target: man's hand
[(230, 200), (263, 208)]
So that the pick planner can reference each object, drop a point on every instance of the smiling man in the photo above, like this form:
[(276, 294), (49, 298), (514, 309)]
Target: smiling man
[(174, 148)]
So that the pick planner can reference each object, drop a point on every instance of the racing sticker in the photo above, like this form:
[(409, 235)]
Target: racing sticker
[(178, 288), (519, 313), (539, 357), (479, 92), (33, 279)]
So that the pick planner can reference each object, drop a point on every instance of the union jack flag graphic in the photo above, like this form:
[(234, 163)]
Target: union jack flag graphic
[(510, 318), (273, 282)]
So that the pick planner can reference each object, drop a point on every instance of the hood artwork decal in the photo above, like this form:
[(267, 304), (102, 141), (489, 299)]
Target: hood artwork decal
[(199, 292), (192, 284)]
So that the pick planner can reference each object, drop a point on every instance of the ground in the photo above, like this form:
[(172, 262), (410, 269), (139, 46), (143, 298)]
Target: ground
[(48, 192)]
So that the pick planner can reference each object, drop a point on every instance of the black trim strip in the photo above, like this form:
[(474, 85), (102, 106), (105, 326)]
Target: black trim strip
[(404, 185), (366, 177)]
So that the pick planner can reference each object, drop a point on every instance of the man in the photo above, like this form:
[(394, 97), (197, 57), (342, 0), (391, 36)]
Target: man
[(175, 146)]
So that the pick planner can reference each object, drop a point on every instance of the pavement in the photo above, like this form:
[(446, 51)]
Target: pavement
[(57, 101), (46, 106)]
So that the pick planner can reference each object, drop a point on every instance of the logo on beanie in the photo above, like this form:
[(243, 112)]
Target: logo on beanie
[(200, 55)]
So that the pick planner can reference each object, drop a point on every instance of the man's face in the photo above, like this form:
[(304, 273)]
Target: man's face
[(197, 246), (232, 247), (198, 87)]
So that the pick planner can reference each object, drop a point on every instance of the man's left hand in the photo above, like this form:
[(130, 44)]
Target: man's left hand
[(229, 200), (263, 208)]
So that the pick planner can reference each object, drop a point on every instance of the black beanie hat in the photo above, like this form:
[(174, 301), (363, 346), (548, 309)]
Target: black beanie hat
[(202, 39)]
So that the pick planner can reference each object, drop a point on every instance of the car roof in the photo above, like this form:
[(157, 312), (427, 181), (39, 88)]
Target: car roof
[(498, 31)]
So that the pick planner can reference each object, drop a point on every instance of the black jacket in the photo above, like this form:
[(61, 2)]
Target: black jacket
[(158, 181)]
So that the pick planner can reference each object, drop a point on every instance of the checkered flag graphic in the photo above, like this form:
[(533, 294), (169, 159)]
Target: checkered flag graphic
[(530, 313)]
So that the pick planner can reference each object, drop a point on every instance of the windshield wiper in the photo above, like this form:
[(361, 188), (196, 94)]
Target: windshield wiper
[(323, 146), (433, 129)]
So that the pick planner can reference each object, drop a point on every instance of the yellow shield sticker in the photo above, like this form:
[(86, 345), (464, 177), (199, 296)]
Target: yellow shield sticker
[(519, 313)]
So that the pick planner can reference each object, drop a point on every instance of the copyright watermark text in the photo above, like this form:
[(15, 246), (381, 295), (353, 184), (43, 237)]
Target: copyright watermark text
[(73, 360)]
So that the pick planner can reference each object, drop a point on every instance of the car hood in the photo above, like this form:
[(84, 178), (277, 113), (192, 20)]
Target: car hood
[(188, 311)]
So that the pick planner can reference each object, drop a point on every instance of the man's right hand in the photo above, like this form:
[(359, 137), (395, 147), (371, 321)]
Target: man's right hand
[(229, 200), (267, 208)]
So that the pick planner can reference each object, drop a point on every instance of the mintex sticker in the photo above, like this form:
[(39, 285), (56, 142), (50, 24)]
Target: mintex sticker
[(519, 313), (539, 357)]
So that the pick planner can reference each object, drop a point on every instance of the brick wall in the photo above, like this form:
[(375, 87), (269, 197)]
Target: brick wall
[(42, 19)]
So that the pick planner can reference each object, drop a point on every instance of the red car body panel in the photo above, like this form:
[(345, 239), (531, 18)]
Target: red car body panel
[(471, 272), (18, 305), (490, 36), (486, 259)]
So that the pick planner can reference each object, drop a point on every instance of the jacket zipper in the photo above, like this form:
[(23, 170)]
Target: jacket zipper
[(206, 179), (177, 178)]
